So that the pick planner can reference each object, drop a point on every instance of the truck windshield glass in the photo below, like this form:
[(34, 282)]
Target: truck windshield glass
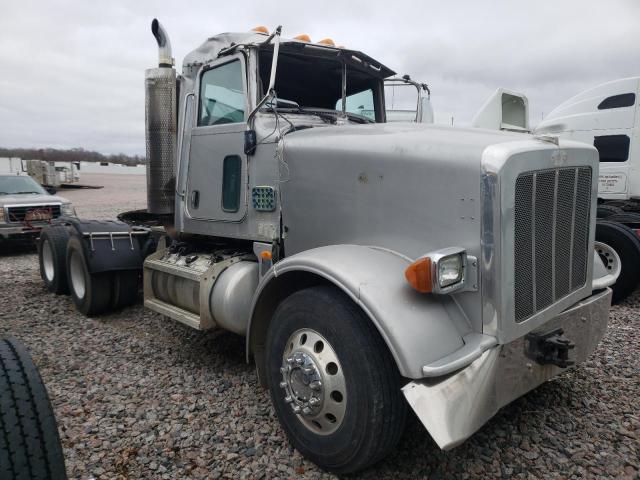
[(13, 185), (222, 95), (315, 83), (360, 103)]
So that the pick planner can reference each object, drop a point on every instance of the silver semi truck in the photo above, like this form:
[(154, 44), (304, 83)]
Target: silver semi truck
[(371, 266)]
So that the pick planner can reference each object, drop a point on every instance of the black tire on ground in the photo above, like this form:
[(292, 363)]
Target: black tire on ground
[(91, 293), (605, 210), (30, 446), (375, 412), (52, 256), (627, 245), (125, 288)]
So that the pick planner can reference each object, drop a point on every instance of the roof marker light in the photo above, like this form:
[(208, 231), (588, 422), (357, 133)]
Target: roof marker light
[(303, 37), (260, 29), (327, 41)]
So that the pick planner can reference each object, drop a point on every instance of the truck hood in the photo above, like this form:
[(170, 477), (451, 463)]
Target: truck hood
[(386, 185), (400, 138), (27, 199)]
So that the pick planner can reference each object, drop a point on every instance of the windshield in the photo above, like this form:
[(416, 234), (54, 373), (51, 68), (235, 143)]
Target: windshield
[(314, 83), (13, 185)]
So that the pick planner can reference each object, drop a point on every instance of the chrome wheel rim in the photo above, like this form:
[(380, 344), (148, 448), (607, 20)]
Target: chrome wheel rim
[(47, 261), (609, 257), (313, 382), (76, 272)]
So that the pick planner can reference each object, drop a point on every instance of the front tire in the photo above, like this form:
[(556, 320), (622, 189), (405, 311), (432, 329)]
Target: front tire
[(90, 292), (333, 382), (52, 256)]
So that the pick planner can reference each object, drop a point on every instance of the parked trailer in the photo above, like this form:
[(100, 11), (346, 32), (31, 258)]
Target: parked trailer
[(606, 117), (371, 266)]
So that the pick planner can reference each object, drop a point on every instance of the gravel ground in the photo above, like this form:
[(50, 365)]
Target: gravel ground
[(137, 396)]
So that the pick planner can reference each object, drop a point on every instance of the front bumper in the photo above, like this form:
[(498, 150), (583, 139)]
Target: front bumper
[(453, 408), (20, 233)]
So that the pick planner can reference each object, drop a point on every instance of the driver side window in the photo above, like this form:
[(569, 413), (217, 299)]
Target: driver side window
[(222, 95)]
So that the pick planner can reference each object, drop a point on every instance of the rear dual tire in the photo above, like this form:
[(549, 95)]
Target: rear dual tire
[(91, 293), (98, 293), (52, 256)]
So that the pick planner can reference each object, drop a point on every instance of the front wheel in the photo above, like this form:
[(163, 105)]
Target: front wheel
[(334, 385)]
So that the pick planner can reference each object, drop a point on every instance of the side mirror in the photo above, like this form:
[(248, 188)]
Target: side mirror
[(51, 190)]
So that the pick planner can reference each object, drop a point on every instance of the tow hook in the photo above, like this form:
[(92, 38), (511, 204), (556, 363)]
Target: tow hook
[(549, 348)]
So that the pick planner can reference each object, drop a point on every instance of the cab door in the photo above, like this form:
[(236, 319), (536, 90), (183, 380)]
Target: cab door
[(217, 175)]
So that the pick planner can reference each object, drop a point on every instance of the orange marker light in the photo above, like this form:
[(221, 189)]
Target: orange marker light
[(260, 29), (303, 38), (327, 41), (418, 274), (265, 255)]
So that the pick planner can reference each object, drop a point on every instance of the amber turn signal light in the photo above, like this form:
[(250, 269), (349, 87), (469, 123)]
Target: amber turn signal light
[(303, 37), (266, 255), (327, 41), (418, 274)]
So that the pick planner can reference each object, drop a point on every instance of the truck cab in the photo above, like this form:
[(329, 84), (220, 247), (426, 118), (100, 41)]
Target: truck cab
[(607, 117), (373, 267)]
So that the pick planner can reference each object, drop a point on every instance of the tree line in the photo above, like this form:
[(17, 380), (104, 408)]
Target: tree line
[(70, 155)]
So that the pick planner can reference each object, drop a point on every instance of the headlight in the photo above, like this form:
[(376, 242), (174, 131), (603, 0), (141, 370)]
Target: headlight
[(67, 209), (450, 270), (443, 271)]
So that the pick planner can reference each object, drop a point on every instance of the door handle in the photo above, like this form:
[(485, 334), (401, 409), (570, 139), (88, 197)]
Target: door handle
[(195, 198)]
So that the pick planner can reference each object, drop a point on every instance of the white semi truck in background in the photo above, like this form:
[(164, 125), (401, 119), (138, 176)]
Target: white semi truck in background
[(608, 117)]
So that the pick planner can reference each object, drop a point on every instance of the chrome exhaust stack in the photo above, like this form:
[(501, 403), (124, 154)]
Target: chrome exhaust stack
[(165, 58), (161, 127)]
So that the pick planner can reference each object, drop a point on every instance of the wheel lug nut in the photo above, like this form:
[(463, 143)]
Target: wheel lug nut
[(283, 370), (283, 384), (308, 370), (290, 360), (299, 361), (316, 385), (288, 399), (306, 410), (313, 401), (296, 409)]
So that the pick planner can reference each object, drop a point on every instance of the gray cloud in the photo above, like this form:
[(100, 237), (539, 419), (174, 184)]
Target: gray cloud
[(72, 71)]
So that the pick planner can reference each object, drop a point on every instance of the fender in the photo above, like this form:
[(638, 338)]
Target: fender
[(110, 245), (418, 329)]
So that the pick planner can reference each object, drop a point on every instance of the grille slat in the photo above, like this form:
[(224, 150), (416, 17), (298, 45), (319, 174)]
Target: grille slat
[(551, 235), (18, 214)]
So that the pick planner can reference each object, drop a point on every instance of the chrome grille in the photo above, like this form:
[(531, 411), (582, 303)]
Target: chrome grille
[(19, 213), (551, 236)]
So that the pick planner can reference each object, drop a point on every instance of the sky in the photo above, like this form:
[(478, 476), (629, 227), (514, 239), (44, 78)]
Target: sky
[(72, 72)]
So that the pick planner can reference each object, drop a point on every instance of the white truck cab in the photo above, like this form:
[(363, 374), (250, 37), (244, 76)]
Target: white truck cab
[(607, 117)]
